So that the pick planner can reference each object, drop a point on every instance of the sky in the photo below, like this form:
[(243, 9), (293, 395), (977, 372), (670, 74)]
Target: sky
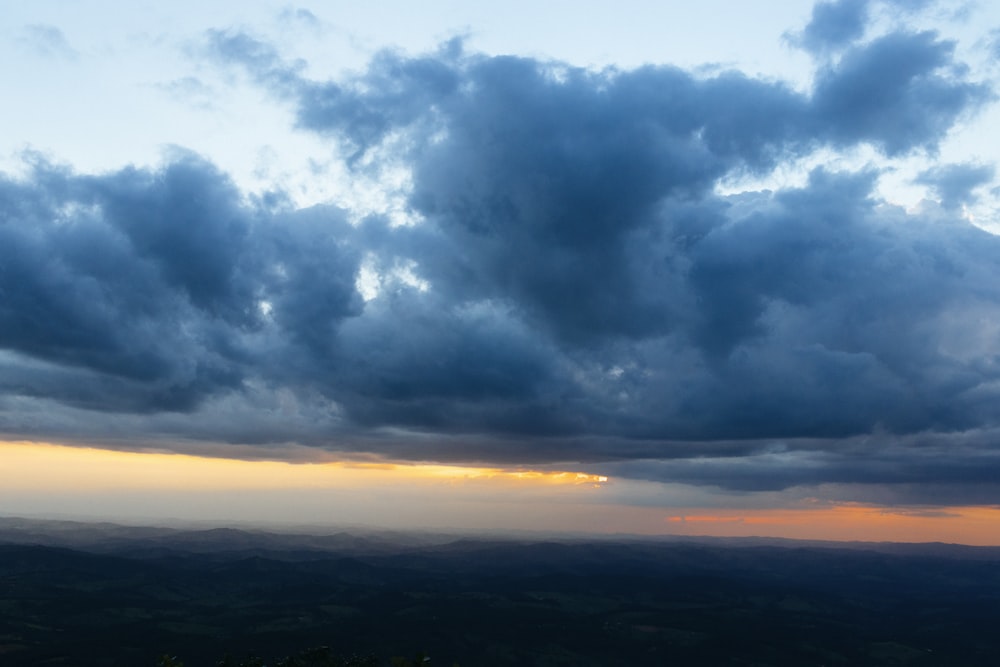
[(631, 267)]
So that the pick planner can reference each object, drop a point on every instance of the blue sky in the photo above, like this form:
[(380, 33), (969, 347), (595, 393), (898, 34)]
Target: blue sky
[(705, 250)]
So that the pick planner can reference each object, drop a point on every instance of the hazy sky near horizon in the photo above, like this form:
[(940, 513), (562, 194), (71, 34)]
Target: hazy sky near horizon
[(725, 257)]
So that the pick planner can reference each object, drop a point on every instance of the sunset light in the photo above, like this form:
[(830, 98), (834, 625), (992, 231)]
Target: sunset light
[(515, 333), (29, 465), (235, 487)]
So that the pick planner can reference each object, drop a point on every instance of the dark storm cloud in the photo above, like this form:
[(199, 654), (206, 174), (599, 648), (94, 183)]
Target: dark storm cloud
[(576, 290), (860, 460), (928, 469), (954, 183), (143, 291)]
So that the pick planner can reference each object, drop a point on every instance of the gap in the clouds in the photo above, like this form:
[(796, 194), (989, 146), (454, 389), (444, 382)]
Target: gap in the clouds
[(156, 486), (792, 172), (894, 183), (156, 466), (375, 182), (898, 182), (372, 278)]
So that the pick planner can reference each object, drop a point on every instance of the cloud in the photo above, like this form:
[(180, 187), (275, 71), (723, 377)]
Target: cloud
[(954, 183), (301, 16), (145, 290), (48, 41), (834, 24), (259, 57), (898, 92), (575, 288), (837, 24), (876, 459), (191, 91)]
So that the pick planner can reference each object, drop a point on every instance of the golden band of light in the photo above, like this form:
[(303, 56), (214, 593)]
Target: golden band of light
[(455, 496), (32, 465)]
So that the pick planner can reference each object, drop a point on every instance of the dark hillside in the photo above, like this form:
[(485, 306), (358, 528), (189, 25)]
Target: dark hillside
[(493, 602)]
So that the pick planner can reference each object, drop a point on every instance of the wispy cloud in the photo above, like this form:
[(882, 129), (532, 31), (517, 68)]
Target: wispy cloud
[(48, 41)]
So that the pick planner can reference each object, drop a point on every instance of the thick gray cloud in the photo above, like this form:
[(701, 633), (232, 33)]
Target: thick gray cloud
[(576, 289), (896, 92), (146, 291)]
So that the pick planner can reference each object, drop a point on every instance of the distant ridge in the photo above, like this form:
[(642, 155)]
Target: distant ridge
[(93, 595), (107, 537)]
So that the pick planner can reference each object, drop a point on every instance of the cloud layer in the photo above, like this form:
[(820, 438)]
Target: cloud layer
[(575, 289)]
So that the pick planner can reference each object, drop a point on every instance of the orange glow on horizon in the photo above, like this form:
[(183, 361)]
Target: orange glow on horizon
[(976, 525), (709, 519), (39, 477)]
